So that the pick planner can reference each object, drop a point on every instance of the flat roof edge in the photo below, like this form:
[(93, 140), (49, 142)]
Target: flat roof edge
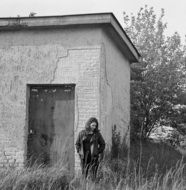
[(47, 21), (18, 23)]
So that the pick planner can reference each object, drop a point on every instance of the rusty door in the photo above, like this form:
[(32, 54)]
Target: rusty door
[(51, 125)]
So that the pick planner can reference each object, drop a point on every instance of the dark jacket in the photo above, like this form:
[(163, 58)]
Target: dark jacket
[(97, 141)]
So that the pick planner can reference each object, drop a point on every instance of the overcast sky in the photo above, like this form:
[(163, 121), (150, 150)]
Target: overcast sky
[(175, 10)]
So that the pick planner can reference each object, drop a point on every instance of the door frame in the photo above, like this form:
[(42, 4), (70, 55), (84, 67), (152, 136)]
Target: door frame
[(28, 88)]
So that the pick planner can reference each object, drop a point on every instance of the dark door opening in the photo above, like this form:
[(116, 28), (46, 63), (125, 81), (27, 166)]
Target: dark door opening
[(51, 124)]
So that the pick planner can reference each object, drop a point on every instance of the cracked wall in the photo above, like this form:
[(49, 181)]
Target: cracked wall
[(115, 91), (61, 56), (43, 64), (20, 65)]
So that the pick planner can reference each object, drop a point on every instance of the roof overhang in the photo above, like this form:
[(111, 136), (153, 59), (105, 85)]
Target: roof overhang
[(39, 22)]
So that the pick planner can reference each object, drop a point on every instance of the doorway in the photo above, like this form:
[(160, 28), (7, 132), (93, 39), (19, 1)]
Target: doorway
[(51, 124)]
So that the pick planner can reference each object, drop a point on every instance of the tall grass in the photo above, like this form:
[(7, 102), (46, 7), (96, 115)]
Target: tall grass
[(36, 178), (55, 178), (159, 168)]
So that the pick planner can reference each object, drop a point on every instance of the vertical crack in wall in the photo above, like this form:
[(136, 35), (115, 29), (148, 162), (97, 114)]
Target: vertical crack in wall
[(105, 70), (57, 63), (107, 98)]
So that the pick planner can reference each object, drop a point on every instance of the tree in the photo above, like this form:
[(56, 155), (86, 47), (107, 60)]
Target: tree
[(158, 80)]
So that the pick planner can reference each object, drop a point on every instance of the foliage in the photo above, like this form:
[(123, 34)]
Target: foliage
[(158, 80)]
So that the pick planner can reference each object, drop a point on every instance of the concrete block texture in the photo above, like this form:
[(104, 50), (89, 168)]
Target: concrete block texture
[(87, 57), (44, 64)]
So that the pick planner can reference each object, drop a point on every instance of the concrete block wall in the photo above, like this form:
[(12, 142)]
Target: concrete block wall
[(43, 64), (84, 64)]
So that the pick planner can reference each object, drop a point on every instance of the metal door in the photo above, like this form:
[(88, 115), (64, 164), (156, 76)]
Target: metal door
[(51, 125)]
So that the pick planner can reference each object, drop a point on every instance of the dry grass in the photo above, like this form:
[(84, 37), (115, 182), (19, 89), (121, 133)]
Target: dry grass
[(151, 167), (54, 179), (36, 178)]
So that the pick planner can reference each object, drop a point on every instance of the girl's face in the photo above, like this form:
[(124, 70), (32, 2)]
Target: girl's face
[(93, 126)]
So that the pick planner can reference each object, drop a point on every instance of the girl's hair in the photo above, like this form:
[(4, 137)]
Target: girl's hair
[(91, 120)]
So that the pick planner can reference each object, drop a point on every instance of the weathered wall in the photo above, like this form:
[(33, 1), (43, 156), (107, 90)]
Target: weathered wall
[(115, 90), (44, 57), (61, 56)]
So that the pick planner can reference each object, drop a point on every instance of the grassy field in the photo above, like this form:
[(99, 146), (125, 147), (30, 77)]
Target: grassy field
[(152, 166)]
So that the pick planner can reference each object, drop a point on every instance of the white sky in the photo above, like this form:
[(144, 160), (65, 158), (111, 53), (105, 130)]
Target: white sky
[(175, 10)]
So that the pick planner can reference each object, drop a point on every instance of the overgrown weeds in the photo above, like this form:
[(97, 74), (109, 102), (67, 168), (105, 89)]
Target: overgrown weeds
[(36, 177), (152, 167)]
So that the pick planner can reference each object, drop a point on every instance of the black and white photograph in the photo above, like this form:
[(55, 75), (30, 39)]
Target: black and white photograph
[(92, 95)]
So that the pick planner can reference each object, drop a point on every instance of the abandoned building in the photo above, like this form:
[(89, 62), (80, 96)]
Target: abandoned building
[(55, 73)]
